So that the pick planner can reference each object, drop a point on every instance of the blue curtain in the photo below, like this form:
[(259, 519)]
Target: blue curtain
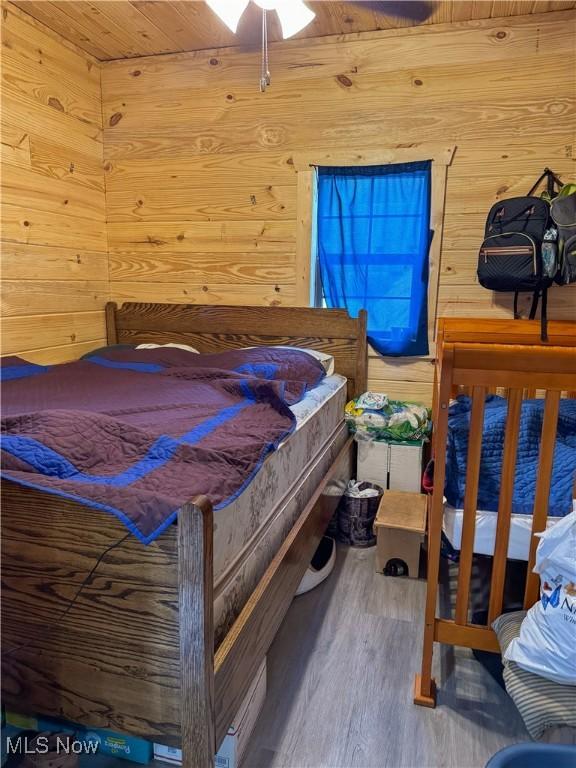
[(373, 242)]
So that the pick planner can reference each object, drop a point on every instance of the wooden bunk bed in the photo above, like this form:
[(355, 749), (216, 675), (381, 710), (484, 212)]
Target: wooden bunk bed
[(482, 357), (136, 653)]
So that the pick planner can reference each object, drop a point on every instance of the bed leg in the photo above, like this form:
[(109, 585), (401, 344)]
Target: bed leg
[(424, 685), (424, 696), (196, 605)]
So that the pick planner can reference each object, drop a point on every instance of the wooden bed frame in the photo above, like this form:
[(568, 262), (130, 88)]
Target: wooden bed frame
[(135, 651), (483, 356)]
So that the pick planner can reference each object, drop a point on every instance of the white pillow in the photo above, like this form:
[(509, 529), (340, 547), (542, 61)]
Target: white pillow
[(546, 645), (185, 347)]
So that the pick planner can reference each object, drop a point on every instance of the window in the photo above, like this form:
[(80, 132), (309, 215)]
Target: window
[(371, 229)]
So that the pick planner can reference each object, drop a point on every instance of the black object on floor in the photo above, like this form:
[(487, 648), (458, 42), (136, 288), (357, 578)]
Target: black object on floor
[(323, 553), (396, 567)]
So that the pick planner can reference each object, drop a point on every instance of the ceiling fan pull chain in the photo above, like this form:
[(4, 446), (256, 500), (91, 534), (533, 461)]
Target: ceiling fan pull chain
[(262, 62), (267, 72), (264, 72)]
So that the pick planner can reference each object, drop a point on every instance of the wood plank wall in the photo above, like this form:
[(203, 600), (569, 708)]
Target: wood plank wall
[(201, 192), (200, 187), (54, 248)]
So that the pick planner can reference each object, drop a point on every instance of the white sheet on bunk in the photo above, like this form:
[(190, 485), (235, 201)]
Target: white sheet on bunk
[(485, 532)]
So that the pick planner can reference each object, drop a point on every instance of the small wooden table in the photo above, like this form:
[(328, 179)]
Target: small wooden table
[(400, 526)]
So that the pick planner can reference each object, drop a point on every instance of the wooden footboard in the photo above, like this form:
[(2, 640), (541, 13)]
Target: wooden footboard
[(133, 649), (486, 356), (108, 657)]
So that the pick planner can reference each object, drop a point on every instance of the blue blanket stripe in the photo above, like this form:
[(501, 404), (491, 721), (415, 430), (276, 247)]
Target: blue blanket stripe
[(265, 451), (52, 464), (11, 372), (258, 370), (130, 524), (200, 432), (125, 366)]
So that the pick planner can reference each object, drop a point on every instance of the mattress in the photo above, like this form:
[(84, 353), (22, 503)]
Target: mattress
[(249, 532), (485, 532)]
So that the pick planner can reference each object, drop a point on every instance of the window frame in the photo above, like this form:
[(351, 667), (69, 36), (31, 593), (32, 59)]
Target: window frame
[(305, 164)]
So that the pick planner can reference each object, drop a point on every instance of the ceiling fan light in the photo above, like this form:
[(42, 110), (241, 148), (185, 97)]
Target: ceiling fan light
[(229, 11), (294, 16)]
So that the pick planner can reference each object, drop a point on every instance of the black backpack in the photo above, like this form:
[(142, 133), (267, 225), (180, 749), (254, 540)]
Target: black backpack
[(513, 256), (563, 211)]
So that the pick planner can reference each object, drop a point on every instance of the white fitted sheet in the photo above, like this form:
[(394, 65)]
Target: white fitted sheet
[(485, 531)]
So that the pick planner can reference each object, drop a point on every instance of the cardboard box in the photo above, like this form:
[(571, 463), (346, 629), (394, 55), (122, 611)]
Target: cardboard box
[(109, 743), (393, 465), (120, 745), (234, 745), (400, 526)]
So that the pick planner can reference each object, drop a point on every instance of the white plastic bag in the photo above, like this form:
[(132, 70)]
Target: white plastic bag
[(353, 490), (547, 641)]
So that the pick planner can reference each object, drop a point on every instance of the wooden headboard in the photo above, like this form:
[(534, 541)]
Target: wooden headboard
[(214, 328)]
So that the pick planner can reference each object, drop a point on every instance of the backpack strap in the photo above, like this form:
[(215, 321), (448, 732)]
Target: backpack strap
[(516, 313), (544, 316), (543, 311), (551, 180), (534, 306), (537, 184)]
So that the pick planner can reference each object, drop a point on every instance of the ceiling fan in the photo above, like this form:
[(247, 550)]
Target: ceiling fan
[(294, 15)]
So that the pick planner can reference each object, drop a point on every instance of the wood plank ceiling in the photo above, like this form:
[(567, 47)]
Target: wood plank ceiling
[(119, 29)]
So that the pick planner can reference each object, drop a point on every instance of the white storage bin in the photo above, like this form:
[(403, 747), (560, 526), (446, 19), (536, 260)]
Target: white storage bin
[(394, 466)]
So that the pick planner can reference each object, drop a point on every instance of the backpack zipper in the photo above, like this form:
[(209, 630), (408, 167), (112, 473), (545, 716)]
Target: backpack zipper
[(511, 249), (521, 234)]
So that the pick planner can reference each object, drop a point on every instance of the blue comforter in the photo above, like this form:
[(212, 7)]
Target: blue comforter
[(564, 468)]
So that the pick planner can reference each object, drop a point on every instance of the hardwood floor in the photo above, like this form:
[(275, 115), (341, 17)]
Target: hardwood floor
[(340, 676)]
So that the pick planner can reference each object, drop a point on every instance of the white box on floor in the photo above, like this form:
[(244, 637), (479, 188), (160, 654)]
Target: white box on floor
[(234, 745), (394, 466)]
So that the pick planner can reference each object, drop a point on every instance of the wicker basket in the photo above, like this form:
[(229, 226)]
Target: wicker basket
[(356, 518)]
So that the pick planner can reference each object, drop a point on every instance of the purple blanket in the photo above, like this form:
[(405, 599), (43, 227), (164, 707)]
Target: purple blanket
[(140, 432)]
